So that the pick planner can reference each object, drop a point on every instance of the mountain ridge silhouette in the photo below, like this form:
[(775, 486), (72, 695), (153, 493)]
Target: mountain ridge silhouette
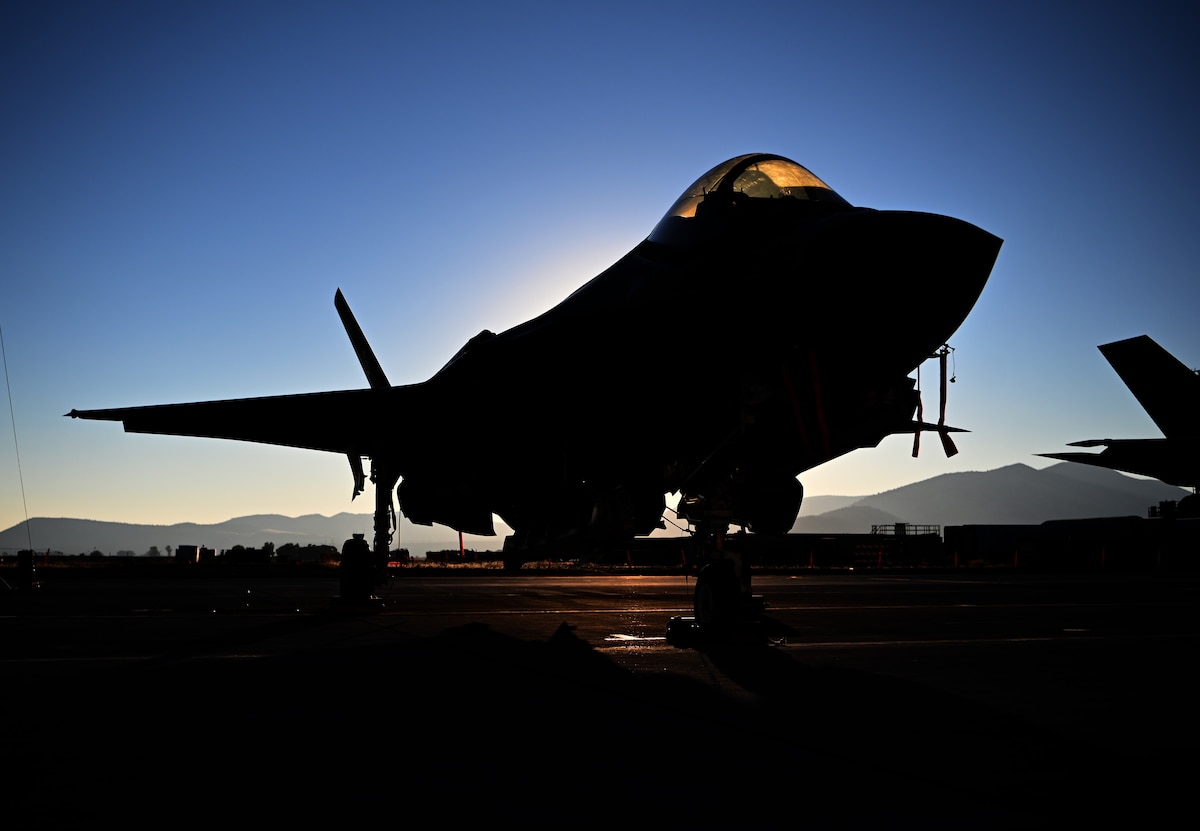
[(83, 536), (1016, 494)]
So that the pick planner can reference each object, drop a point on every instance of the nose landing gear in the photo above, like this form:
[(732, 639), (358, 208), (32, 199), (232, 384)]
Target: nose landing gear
[(723, 605)]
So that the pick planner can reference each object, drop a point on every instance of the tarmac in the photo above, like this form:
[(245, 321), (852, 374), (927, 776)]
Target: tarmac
[(893, 701)]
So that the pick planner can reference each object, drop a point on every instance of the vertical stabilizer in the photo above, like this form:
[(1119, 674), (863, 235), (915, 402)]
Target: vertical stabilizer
[(1167, 389), (366, 356)]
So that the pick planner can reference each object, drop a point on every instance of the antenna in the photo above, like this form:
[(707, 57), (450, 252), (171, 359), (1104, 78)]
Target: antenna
[(16, 447)]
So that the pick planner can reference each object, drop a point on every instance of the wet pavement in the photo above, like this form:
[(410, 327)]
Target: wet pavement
[(957, 700)]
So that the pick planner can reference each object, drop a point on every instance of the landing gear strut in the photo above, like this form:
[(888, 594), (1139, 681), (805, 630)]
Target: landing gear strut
[(364, 568), (722, 601)]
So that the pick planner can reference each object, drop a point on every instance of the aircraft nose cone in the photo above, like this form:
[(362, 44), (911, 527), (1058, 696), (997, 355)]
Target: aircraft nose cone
[(909, 276)]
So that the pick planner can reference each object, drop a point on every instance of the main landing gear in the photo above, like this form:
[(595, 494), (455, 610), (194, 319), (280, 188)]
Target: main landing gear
[(364, 567), (723, 605)]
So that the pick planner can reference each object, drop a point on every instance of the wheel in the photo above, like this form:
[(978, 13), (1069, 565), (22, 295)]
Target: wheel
[(715, 598)]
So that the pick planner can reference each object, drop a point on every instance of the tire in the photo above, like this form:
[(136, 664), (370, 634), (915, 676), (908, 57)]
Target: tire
[(715, 598)]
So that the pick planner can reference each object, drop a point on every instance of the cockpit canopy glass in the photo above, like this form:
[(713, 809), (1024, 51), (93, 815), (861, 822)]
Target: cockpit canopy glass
[(755, 176)]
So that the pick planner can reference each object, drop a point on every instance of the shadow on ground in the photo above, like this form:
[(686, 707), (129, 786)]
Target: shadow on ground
[(474, 726)]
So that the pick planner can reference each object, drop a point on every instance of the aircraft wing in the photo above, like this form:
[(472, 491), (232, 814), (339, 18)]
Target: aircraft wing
[(1174, 461), (348, 421), (1167, 389), (1170, 393)]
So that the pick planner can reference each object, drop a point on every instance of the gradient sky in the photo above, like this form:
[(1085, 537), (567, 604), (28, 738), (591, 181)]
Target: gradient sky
[(185, 185)]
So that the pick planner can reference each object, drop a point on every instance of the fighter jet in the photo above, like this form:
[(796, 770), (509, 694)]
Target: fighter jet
[(764, 326), (1170, 393)]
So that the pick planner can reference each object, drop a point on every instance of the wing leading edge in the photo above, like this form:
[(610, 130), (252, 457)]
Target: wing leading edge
[(346, 421), (351, 422)]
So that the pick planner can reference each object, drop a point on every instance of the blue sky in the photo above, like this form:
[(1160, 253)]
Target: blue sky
[(185, 185)]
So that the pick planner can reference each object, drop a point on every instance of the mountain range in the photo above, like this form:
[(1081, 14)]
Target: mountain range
[(76, 536), (1013, 495)]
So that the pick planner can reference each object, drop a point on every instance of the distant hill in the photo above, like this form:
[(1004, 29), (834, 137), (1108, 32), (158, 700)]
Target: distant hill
[(813, 505), (1012, 495), (82, 536)]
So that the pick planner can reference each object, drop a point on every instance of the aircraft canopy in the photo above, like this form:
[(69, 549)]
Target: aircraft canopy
[(758, 176)]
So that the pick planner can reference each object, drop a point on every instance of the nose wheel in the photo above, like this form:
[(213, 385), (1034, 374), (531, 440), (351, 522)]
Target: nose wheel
[(722, 603), (716, 599)]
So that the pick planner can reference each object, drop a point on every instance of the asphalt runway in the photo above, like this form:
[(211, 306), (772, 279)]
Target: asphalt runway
[(863, 700)]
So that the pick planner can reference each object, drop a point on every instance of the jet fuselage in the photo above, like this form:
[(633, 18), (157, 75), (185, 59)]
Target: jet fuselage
[(764, 326)]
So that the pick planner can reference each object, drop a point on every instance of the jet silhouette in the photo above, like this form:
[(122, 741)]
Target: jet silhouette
[(764, 326), (1169, 391)]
